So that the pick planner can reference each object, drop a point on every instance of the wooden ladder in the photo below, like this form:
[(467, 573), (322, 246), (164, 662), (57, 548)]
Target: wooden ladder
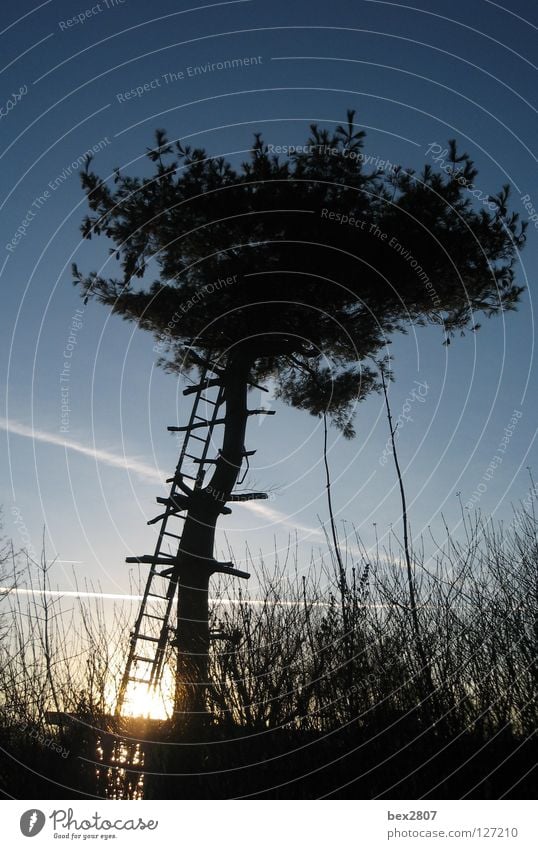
[(150, 635)]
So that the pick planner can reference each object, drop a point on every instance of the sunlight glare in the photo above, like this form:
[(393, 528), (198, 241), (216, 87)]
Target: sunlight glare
[(140, 701)]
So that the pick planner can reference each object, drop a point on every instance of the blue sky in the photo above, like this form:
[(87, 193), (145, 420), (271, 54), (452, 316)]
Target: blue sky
[(416, 76)]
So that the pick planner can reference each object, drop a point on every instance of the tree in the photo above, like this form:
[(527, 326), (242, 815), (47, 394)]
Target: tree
[(298, 269)]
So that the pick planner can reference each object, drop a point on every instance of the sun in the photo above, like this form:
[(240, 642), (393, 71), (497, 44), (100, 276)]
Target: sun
[(146, 703)]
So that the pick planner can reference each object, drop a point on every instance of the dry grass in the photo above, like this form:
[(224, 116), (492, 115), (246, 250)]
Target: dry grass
[(291, 678)]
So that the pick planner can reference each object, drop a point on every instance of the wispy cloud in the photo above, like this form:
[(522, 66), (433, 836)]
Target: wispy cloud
[(118, 461), (31, 591), (143, 470), (230, 602), (71, 562), (279, 518)]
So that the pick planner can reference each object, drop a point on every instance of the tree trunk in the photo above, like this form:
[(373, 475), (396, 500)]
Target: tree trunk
[(196, 555)]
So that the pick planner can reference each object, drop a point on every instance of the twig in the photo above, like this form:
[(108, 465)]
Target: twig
[(407, 553)]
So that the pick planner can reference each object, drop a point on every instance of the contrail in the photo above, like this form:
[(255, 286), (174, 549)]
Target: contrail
[(68, 594), (139, 467), (130, 464), (125, 597), (279, 518)]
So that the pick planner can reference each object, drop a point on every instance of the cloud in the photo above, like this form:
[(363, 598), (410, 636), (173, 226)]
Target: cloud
[(118, 461), (226, 602), (68, 594), (280, 518), (143, 470)]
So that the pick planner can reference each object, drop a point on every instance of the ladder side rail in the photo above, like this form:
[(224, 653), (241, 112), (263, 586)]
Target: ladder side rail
[(156, 671), (193, 424), (207, 444), (192, 417), (157, 666), (174, 487), (133, 644), (157, 662), (133, 648)]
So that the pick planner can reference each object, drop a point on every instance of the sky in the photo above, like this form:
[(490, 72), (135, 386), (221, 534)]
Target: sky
[(77, 77)]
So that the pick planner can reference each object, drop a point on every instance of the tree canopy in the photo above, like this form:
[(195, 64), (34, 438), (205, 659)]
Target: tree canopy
[(307, 264)]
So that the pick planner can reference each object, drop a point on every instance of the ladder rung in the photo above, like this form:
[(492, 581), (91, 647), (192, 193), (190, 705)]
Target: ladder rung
[(177, 498), (148, 638), (151, 559), (156, 595), (136, 680), (165, 515), (178, 502), (205, 384), (152, 616), (144, 659), (202, 462), (170, 534), (205, 423), (260, 412)]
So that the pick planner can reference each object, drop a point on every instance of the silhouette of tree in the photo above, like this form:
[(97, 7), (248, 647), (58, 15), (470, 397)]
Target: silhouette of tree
[(298, 269)]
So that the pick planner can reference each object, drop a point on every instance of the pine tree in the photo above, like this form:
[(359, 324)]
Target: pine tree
[(299, 269)]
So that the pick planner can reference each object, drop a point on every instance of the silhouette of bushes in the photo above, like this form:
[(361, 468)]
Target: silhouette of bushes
[(298, 707)]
